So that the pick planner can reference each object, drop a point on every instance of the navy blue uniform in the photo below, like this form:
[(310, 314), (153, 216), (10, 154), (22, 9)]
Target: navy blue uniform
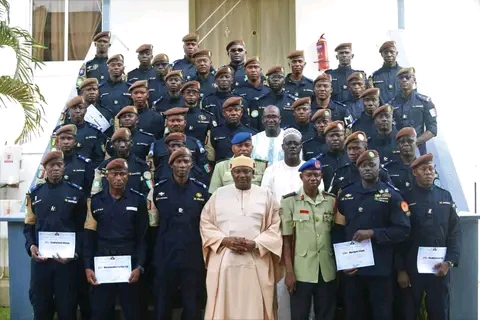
[(163, 171), (249, 93), (239, 75), (313, 147), (381, 210), (435, 223), (178, 258), (282, 99), (78, 170), (213, 103), (54, 208), (137, 177), (221, 139), (199, 122), (141, 73), (207, 85), (96, 68), (386, 146), (299, 89), (156, 89), (339, 82), (339, 111), (385, 79), (90, 142), (349, 174), (364, 123), (150, 121), (330, 162), (307, 130), (355, 107), (114, 96), (187, 68), (166, 102), (161, 154), (417, 111), (116, 227), (141, 141)]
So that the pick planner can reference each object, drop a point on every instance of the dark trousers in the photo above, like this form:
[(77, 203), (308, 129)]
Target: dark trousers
[(437, 296), (103, 298), (364, 291), (324, 297), (83, 296), (191, 283), (54, 289)]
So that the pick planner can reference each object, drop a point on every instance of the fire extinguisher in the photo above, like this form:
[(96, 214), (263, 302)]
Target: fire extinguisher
[(322, 54)]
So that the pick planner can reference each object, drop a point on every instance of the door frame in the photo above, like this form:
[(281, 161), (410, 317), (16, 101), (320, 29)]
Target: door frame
[(292, 33)]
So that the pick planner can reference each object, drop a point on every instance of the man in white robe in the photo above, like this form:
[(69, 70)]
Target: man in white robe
[(242, 247)]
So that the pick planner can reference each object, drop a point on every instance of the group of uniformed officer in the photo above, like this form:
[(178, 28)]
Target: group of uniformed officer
[(163, 133)]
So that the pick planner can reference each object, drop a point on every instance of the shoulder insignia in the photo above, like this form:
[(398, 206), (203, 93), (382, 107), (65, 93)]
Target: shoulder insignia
[(83, 158), (94, 126), (200, 146), (161, 182), (137, 192), (138, 160), (423, 97), (198, 183), (387, 163), (291, 96), (36, 187), (382, 168), (175, 62), (308, 79), (319, 156), (309, 139), (76, 186), (157, 101), (207, 112), (339, 103), (101, 84), (328, 194), (288, 195), (145, 132)]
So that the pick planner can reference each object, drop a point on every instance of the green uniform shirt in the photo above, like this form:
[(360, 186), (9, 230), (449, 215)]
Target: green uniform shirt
[(311, 220), (223, 177)]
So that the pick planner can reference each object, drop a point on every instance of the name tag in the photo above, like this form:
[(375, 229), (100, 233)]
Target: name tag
[(304, 211), (418, 106), (132, 208)]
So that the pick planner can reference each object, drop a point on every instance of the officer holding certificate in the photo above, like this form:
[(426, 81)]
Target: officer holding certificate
[(55, 211), (371, 210), (115, 245), (435, 237), (307, 218)]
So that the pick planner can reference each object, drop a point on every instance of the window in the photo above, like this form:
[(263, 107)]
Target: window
[(66, 36)]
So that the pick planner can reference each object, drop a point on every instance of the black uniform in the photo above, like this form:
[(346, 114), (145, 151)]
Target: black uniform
[(199, 122), (221, 139), (141, 73), (165, 102), (385, 79), (386, 146), (339, 82), (435, 223), (78, 170), (207, 85), (141, 142), (151, 122), (213, 103), (57, 207), (299, 89), (364, 123), (349, 174), (381, 210), (187, 68), (249, 93), (330, 162), (339, 111), (95, 68), (355, 107), (161, 154), (314, 146), (116, 227), (178, 258), (307, 130), (282, 99), (156, 89), (114, 96)]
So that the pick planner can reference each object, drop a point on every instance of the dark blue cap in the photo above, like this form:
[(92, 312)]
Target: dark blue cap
[(312, 164), (241, 137)]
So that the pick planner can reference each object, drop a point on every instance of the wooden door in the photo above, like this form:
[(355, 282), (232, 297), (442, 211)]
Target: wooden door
[(266, 26)]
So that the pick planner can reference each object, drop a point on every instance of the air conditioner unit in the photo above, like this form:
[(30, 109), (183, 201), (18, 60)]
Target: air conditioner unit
[(10, 157)]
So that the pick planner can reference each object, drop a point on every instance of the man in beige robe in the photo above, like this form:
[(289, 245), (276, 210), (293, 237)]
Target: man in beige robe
[(242, 246)]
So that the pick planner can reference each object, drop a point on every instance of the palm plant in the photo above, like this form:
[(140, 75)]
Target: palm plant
[(19, 87)]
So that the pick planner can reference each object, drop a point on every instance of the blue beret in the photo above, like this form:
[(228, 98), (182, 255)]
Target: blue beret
[(241, 137), (312, 164)]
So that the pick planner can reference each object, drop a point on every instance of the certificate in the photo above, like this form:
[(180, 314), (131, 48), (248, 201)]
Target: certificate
[(112, 269), (51, 244), (95, 117), (353, 255), (428, 257)]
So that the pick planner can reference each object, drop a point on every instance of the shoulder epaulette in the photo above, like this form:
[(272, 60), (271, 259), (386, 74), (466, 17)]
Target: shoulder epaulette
[(339, 103), (423, 97), (291, 96), (137, 159), (102, 83), (319, 156), (137, 192), (94, 126), (76, 186), (198, 183), (160, 182), (309, 139), (382, 168), (329, 71), (348, 185), (200, 146), (208, 112), (343, 166), (328, 194), (157, 101), (369, 139), (392, 186), (308, 79), (176, 61), (387, 163), (288, 195), (83, 158), (36, 187), (145, 132)]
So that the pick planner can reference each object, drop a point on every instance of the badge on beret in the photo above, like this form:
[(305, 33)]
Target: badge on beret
[(79, 144), (65, 177), (327, 114), (198, 195), (115, 102), (390, 86), (344, 87), (101, 77), (254, 113), (371, 155), (201, 117), (361, 137), (147, 175), (317, 165), (340, 126)]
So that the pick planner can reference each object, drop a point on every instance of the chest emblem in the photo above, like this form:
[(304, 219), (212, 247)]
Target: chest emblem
[(201, 117), (53, 208), (360, 209)]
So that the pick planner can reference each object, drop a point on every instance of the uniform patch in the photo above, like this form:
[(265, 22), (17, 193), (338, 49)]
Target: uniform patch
[(433, 112), (202, 117), (254, 113), (304, 212), (404, 207), (147, 175)]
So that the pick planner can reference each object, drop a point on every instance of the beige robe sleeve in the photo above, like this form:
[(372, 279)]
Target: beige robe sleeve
[(211, 235), (270, 239)]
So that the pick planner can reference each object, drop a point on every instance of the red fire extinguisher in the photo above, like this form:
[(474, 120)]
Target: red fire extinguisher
[(322, 54)]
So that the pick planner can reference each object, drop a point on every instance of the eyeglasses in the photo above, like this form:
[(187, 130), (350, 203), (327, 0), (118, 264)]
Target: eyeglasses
[(236, 50), (405, 77)]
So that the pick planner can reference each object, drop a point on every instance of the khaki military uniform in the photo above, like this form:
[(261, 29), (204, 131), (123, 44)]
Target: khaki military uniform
[(223, 177), (310, 221)]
